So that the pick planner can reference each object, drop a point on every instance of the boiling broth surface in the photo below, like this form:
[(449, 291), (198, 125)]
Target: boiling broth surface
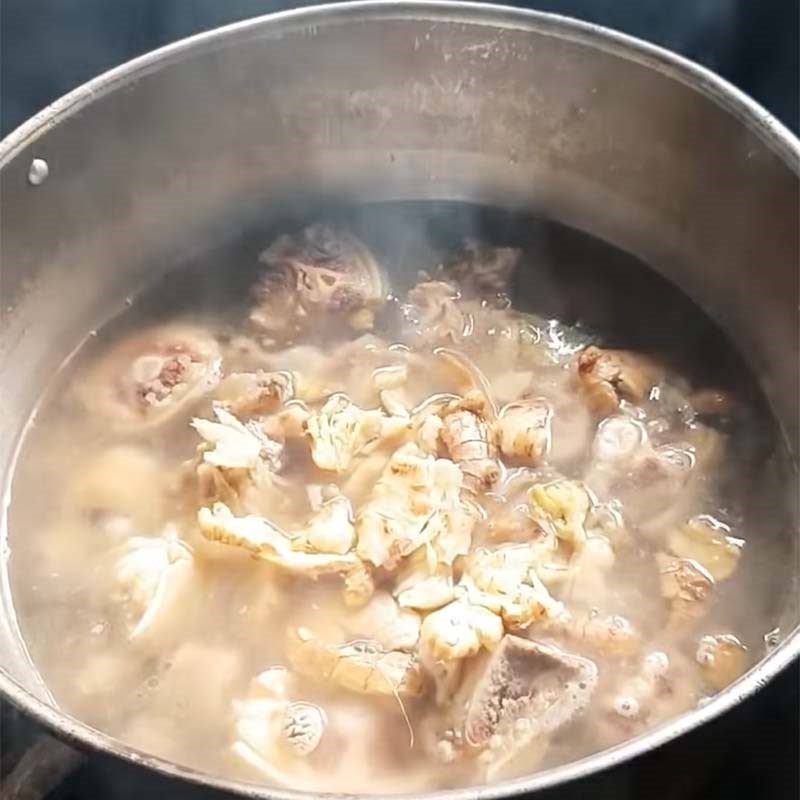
[(237, 595)]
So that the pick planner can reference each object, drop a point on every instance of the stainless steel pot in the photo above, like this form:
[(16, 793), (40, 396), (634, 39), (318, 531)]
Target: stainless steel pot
[(388, 101)]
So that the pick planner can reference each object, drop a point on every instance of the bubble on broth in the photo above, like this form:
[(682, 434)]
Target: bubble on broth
[(598, 548)]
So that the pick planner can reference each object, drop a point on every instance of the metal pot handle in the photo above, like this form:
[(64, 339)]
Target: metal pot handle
[(40, 769)]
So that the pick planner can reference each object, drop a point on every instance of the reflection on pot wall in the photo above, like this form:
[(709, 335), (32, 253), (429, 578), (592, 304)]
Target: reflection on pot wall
[(50, 47)]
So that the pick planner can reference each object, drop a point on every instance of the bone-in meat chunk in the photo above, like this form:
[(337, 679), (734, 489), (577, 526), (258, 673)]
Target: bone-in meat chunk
[(608, 376), (323, 270), (527, 689)]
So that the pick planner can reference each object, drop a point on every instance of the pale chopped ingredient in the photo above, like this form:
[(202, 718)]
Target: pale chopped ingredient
[(339, 431), (422, 583), (235, 445), (359, 584), (331, 529), (416, 502), (707, 541), (359, 666), (428, 593), (525, 430), (428, 434), (723, 659), (288, 423), (561, 508), (459, 630), (252, 533), (275, 734), (265, 540), (385, 622), (505, 581), (153, 578), (302, 727)]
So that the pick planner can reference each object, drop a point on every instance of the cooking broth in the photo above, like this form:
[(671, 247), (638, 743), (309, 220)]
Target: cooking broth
[(319, 521)]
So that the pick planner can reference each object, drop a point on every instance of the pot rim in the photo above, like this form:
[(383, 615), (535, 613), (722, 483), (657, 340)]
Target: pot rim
[(747, 111)]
